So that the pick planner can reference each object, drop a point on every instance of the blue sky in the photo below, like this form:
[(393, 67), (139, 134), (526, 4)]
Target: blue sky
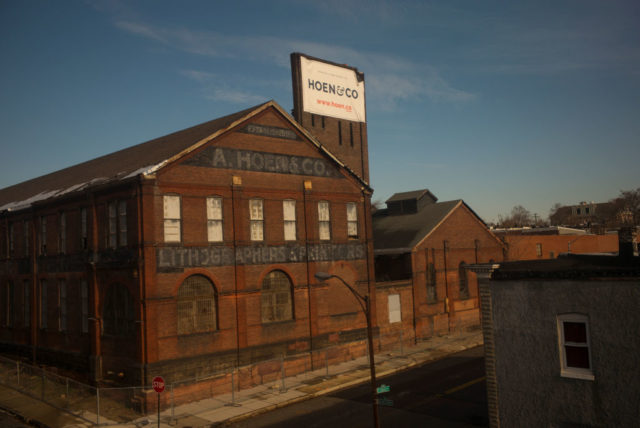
[(499, 103)]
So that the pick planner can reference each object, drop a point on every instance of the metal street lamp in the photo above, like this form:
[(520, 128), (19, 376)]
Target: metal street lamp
[(365, 303)]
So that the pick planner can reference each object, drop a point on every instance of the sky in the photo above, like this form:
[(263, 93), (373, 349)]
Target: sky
[(499, 103)]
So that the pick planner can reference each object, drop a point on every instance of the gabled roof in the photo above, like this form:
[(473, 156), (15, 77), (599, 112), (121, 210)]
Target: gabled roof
[(400, 233), (414, 194), (142, 159)]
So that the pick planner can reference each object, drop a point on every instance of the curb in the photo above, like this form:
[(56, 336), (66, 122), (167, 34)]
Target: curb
[(354, 382)]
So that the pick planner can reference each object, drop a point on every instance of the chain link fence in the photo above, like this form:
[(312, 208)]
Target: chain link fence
[(109, 406)]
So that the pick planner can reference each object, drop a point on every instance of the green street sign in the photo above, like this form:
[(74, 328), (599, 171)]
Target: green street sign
[(383, 388), (385, 402)]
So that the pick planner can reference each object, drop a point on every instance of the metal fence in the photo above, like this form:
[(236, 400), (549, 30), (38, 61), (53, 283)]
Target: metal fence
[(109, 406)]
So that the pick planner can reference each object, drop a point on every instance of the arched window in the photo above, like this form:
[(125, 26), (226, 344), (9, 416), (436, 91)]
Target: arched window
[(118, 312), (276, 297), (196, 305), (431, 283), (464, 283)]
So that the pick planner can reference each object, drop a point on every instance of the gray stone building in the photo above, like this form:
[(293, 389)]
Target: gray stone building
[(562, 342)]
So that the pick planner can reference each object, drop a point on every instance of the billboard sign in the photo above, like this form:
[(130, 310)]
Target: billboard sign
[(332, 90)]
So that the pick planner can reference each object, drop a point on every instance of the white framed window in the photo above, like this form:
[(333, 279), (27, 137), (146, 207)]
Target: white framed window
[(289, 216), (214, 219), (256, 215), (122, 223), (62, 237), (324, 221), (574, 346), (395, 312), (352, 220), (112, 235), (171, 218)]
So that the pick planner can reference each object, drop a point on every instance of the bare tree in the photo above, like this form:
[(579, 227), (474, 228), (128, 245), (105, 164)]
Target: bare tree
[(627, 207), (519, 217)]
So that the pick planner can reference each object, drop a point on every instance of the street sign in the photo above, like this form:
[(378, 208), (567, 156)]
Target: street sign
[(385, 402), (383, 388), (158, 384)]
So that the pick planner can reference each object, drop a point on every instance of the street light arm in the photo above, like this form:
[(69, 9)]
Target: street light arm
[(363, 300)]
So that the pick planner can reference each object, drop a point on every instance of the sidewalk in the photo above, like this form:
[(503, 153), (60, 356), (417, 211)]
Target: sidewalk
[(250, 402)]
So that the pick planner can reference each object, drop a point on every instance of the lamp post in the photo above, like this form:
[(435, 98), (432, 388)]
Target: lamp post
[(365, 303)]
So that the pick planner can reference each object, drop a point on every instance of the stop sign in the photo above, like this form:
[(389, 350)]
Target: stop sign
[(158, 384)]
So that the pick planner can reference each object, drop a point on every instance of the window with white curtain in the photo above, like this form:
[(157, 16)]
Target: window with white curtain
[(171, 218), (256, 214), (214, 219), (324, 221), (352, 220), (289, 216)]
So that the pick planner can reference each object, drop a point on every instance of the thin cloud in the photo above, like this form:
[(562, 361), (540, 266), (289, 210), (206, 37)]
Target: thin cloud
[(390, 79)]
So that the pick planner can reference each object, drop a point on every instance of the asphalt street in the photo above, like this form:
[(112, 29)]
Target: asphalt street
[(446, 393)]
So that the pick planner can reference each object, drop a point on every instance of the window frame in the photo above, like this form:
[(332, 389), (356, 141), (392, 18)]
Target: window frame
[(171, 222), (256, 222), (538, 249), (269, 304), (463, 281), (324, 224), (394, 306), (194, 317), (215, 221), (565, 369), (289, 221), (352, 222)]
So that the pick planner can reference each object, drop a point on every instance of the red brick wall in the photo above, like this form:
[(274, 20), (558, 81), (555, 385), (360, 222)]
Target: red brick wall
[(524, 247)]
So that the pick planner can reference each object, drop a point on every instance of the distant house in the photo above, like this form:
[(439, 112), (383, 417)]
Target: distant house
[(586, 214), (421, 250), (561, 341), (549, 242)]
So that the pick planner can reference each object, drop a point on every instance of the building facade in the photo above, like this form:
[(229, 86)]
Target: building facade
[(561, 342), (422, 248), (188, 255)]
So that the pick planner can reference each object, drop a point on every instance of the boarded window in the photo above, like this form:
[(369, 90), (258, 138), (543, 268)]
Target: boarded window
[(324, 221), (118, 312), (214, 219), (352, 220), (196, 306), (276, 297), (289, 216), (395, 313), (9, 305), (539, 250), (431, 283), (171, 218), (463, 281), (256, 214)]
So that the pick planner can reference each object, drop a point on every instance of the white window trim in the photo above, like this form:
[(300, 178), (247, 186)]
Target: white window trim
[(289, 219), (395, 308), (172, 221), (352, 220), (324, 234), (215, 226), (256, 219), (573, 372)]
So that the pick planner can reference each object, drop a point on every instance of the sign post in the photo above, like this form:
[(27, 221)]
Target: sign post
[(158, 386)]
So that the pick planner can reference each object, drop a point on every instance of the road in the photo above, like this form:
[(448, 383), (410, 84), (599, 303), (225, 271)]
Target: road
[(446, 393)]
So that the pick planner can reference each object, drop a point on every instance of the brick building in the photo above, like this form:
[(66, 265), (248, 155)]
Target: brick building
[(422, 248), (189, 254)]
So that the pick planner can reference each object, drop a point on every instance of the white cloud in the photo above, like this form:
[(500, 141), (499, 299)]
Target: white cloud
[(390, 79)]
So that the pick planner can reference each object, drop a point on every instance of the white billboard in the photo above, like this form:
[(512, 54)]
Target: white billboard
[(331, 90)]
